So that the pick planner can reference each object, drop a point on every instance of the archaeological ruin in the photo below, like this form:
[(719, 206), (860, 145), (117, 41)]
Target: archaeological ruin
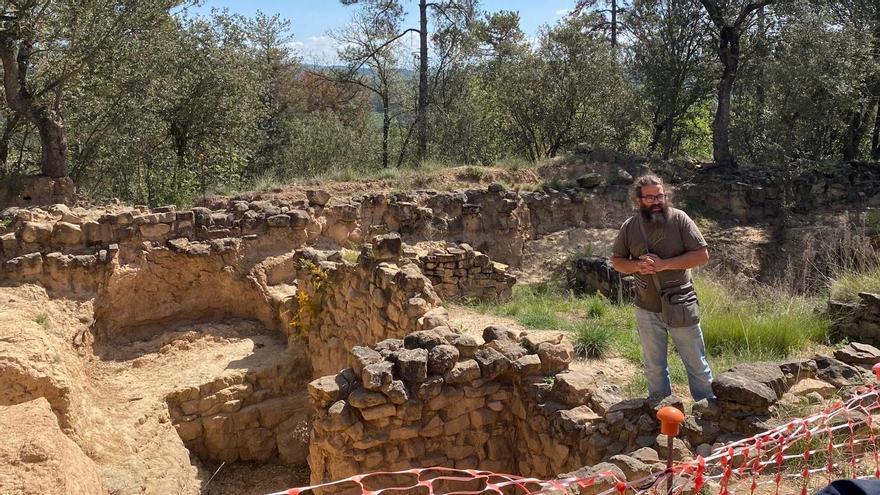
[(148, 346)]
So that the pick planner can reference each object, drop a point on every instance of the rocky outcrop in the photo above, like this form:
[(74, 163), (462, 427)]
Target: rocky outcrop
[(860, 320)]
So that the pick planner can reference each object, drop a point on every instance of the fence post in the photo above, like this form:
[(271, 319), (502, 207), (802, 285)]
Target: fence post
[(670, 422)]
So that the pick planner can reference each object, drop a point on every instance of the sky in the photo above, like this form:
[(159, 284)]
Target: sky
[(311, 20)]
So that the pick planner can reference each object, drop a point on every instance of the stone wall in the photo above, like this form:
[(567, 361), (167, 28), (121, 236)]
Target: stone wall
[(340, 305), (859, 320), (592, 274), (251, 416), (478, 217), (37, 190), (460, 272), (437, 398)]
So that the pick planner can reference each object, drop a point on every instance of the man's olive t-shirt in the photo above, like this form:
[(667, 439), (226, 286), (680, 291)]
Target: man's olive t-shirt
[(675, 237)]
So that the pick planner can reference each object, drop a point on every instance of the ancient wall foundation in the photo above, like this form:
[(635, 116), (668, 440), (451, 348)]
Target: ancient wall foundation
[(460, 272), (592, 274), (859, 320), (253, 416), (436, 398)]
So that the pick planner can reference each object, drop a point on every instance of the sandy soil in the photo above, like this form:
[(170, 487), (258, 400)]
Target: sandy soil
[(117, 409), (132, 389)]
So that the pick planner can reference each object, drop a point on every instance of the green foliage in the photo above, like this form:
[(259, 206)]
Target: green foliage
[(846, 286), (42, 319), (165, 106), (350, 255), (596, 326), (764, 326), (592, 340)]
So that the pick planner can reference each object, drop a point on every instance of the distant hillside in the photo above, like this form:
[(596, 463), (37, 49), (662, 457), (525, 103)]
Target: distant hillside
[(407, 73)]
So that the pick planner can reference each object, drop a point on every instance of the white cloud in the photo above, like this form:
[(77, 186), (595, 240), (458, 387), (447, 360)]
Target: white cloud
[(563, 12), (319, 50)]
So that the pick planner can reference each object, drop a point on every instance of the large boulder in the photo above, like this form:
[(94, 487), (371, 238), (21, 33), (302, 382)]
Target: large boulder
[(858, 354), (752, 384)]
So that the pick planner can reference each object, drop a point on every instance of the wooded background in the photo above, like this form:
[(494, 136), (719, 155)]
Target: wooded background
[(144, 101)]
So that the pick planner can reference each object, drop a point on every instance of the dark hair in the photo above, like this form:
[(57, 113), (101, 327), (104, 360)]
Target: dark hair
[(646, 180)]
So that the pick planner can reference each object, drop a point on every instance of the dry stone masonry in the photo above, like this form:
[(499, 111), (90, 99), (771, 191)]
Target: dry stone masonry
[(510, 404), (477, 217), (595, 274), (252, 416), (460, 272)]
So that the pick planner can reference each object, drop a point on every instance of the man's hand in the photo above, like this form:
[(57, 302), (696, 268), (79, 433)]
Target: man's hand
[(650, 264)]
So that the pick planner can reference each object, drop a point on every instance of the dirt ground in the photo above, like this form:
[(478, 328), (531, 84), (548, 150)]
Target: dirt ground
[(121, 420)]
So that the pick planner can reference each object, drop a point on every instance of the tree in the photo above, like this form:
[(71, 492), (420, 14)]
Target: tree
[(670, 62), (366, 44), (390, 12), (568, 90), (863, 16), (610, 16), (278, 69), (55, 42), (732, 19)]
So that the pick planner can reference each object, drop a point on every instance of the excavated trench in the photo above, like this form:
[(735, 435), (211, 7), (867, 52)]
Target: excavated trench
[(192, 351)]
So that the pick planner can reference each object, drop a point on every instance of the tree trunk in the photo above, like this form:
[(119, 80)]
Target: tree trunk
[(8, 131), (875, 136), (53, 141), (614, 23), (667, 140), (386, 126), (53, 144), (422, 109), (728, 52), (852, 138)]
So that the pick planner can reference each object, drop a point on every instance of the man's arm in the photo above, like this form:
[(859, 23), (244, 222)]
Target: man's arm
[(625, 265), (688, 260)]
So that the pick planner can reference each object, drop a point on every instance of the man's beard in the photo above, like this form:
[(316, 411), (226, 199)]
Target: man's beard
[(655, 214)]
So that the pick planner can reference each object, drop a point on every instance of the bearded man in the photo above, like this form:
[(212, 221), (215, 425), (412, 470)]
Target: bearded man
[(659, 245)]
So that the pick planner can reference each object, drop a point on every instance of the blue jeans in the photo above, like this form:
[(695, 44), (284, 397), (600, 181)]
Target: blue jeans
[(689, 343)]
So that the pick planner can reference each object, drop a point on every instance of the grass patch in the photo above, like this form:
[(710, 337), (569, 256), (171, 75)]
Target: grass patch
[(350, 255), (42, 319), (592, 340), (595, 325), (846, 286), (767, 325)]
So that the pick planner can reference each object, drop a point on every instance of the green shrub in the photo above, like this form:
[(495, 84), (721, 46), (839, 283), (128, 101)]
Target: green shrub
[(592, 339), (596, 307)]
